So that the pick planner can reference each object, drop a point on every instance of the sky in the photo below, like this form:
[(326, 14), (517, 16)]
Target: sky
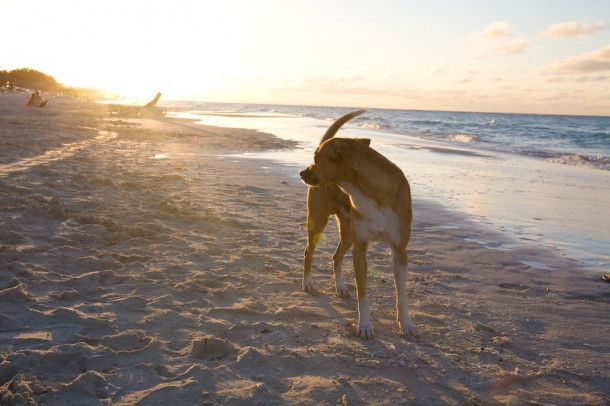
[(498, 56)]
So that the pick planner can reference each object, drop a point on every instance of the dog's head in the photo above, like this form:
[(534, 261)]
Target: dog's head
[(332, 159)]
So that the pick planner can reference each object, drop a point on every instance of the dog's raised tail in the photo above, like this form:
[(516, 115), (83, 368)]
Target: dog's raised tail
[(332, 130)]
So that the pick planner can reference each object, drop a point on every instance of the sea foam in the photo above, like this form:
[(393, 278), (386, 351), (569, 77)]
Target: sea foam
[(465, 138)]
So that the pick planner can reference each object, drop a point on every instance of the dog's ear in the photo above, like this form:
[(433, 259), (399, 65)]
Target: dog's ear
[(339, 150), (364, 141)]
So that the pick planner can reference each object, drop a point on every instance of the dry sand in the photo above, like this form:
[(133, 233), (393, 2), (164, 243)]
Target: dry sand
[(140, 264)]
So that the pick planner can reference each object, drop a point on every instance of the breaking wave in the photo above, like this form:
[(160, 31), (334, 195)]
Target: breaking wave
[(464, 138)]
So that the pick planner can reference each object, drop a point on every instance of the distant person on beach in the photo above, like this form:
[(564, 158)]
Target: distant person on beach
[(37, 100)]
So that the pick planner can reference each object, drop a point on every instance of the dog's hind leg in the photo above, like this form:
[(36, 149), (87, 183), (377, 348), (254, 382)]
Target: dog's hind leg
[(399, 262), (346, 241), (315, 227)]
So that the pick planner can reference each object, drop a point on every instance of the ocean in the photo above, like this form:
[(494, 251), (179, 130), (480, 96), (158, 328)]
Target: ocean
[(535, 179), (571, 140)]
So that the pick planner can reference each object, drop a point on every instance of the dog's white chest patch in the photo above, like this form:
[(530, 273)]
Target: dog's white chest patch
[(377, 223)]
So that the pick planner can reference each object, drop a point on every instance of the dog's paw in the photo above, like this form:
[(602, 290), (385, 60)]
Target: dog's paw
[(344, 294), (365, 331), (408, 329), (342, 291), (308, 285)]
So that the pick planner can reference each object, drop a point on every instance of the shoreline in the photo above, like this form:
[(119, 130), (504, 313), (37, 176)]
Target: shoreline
[(158, 254), (529, 199)]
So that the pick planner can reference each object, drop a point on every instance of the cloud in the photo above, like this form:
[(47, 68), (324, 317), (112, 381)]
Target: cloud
[(493, 32), (578, 79), (514, 46), (492, 41), (496, 30), (572, 29), (590, 62)]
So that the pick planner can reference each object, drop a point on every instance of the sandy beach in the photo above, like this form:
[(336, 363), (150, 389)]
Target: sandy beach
[(143, 261)]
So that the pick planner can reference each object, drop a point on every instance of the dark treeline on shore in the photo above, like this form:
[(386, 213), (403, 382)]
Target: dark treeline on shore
[(31, 79)]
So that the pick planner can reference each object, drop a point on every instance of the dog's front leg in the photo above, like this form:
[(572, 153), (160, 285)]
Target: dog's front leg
[(365, 328), (399, 262)]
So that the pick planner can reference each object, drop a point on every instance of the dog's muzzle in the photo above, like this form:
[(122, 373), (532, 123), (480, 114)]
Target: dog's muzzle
[(308, 177)]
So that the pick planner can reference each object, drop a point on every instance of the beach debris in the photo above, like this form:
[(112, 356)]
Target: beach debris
[(150, 109)]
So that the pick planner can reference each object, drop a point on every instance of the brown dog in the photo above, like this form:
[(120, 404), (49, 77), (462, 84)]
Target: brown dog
[(380, 199), (322, 202)]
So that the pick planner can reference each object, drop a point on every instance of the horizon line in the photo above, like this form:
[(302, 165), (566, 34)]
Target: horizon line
[(390, 108)]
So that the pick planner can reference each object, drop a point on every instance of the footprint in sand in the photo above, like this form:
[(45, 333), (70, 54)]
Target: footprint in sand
[(16, 292), (90, 383), (513, 289), (512, 286), (132, 340), (212, 348), (252, 357)]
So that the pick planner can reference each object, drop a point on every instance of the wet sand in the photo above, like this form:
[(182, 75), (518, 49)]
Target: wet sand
[(143, 262)]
